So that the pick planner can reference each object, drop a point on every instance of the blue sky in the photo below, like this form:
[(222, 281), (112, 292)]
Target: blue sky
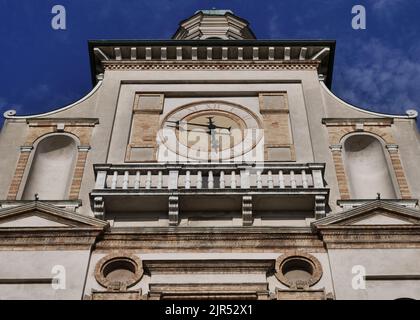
[(42, 69)]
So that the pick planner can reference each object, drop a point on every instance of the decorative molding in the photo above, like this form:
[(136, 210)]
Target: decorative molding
[(372, 237), (55, 122), (392, 277), (238, 291), (410, 115), (367, 208), (11, 114), (68, 205), (355, 121), (338, 230), (99, 207), (303, 294), (247, 218), (392, 148), (173, 211), (26, 148), (197, 239), (115, 295), (354, 203), (83, 148), (320, 204), (212, 266), (336, 147), (79, 232), (218, 66)]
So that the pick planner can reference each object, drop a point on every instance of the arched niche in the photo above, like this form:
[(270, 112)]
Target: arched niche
[(52, 167), (367, 168)]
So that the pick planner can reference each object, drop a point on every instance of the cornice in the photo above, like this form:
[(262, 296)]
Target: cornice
[(352, 121), (222, 239), (211, 66)]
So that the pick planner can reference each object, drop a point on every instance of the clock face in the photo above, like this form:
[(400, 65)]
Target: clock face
[(210, 130)]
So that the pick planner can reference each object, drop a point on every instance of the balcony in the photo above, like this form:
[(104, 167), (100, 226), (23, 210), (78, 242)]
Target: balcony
[(238, 192)]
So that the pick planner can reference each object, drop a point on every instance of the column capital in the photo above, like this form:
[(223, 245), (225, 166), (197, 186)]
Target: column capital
[(336, 147), (26, 148), (83, 148), (392, 148)]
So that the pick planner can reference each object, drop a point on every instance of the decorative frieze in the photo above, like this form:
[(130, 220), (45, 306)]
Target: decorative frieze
[(206, 66)]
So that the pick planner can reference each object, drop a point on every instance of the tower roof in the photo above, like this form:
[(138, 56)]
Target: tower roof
[(214, 24)]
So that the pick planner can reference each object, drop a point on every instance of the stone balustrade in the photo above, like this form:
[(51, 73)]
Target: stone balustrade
[(171, 181)]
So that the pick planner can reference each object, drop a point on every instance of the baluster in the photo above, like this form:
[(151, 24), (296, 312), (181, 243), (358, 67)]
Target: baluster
[(270, 180), (199, 180), (304, 179), (187, 180), (137, 180), (211, 180), (233, 180), (149, 179), (281, 179), (114, 180), (222, 180), (292, 179), (259, 180), (160, 180), (125, 181)]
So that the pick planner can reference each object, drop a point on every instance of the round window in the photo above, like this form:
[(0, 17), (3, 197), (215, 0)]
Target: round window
[(298, 270), (117, 272), (122, 270)]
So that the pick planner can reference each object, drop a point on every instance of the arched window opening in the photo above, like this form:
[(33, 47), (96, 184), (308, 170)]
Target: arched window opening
[(367, 168), (52, 169)]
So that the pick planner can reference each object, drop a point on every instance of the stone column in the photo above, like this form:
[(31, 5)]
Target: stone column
[(25, 152), (394, 154), (339, 171), (78, 172)]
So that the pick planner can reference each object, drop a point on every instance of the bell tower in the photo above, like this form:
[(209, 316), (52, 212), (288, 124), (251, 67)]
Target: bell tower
[(214, 24)]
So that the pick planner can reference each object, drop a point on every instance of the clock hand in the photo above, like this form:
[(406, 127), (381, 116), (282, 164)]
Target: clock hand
[(211, 125), (188, 123), (178, 123)]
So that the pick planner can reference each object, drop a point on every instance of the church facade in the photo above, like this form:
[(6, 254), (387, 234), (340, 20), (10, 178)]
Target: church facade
[(210, 166)]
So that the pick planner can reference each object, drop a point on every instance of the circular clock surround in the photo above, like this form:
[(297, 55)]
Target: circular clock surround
[(238, 130)]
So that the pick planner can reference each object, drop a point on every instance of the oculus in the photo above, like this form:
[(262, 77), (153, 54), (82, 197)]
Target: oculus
[(298, 270), (116, 272)]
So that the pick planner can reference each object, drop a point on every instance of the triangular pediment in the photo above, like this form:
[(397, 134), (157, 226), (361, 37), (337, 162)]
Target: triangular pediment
[(43, 215), (375, 213)]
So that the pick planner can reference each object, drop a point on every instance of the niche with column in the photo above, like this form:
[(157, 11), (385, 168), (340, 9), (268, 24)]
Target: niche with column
[(366, 158), (51, 169), (368, 167), (52, 160)]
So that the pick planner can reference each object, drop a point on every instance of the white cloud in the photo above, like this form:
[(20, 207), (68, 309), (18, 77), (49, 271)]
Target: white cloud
[(379, 77), (385, 4), (5, 106)]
